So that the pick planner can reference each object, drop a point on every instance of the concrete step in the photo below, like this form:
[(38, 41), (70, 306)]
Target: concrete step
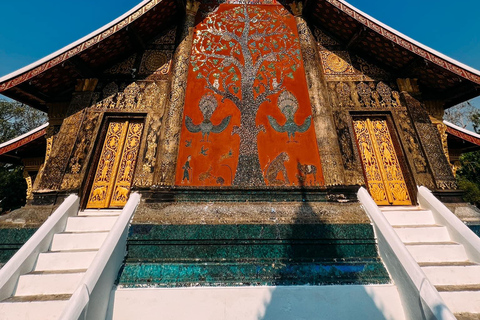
[(447, 264), (438, 253), (42, 297), (78, 241), (409, 218), (431, 233), (56, 283), (99, 212), (451, 288), (45, 310), (467, 316), (462, 301), (453, 275), (64, 260), (399, 208), (90, 224)]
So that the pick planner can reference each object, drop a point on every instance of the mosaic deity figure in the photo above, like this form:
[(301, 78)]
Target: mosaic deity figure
[(288, 105), (208, 104)]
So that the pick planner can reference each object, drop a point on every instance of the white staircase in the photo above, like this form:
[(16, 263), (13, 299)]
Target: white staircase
[(44, 292), (444, 261)]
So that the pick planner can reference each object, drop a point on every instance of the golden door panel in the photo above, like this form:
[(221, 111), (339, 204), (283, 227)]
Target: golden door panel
[(124, 177), (383, 173), (114, 173)]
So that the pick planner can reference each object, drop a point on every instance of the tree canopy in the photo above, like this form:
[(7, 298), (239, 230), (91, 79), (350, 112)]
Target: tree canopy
[(468, 176), (15, 119)]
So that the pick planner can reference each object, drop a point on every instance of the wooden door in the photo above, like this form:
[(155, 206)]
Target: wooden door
[(383, 173), (114, 173)]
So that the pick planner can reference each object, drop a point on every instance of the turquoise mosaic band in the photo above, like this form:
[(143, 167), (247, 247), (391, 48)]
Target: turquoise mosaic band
[(240, 273), (267, 254), (11, 240)]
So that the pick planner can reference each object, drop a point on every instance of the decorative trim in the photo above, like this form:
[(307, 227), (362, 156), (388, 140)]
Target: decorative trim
[(462, 133), (23, 139)]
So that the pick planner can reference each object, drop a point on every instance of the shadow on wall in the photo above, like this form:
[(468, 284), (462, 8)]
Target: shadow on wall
[(320, 253)]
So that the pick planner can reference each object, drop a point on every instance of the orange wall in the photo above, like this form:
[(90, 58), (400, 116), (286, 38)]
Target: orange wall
[(215, 162)]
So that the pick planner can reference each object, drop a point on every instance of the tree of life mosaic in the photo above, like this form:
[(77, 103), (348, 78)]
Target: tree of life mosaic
[(247, 117)]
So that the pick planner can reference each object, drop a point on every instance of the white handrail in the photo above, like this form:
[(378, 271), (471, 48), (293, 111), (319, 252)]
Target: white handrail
[(24, 260), (420, 298), (459, 232), (90, 300)]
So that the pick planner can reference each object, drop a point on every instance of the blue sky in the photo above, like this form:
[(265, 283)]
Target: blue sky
[(33, 29)]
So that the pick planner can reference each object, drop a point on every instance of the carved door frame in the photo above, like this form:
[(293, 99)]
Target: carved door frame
[(97, 150), (397, 144)]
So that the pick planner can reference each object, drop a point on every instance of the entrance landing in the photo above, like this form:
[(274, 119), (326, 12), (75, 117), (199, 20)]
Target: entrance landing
[(353, 302)]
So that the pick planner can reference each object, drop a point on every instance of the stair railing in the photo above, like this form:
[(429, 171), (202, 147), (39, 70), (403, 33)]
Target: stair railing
[(92, 297), (24, 260), (458, 231), (420, 298)]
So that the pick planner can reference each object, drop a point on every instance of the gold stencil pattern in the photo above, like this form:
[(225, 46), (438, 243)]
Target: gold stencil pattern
[(127, 165), (114, 173), (383, 173), (336, 62)]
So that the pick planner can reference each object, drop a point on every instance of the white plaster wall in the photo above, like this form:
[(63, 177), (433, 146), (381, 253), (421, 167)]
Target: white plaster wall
[(254, 303)]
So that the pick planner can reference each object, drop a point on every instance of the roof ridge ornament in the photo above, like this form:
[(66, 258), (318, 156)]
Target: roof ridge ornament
[(192, 7), (297, 8)]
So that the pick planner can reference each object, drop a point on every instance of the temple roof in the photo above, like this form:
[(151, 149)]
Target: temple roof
[(28, 145), (439, 77), (53, 78), (461, 138)]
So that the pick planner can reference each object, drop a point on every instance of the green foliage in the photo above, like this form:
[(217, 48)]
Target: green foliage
[(472, 191), (468, 176), (476, 121), (470, 167), (15, 119), (12, 188)]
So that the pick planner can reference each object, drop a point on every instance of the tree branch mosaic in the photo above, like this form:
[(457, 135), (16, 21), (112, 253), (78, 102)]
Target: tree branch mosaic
[(245, 62)]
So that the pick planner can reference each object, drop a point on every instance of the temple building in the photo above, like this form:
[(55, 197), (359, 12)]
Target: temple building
[(250, 130)]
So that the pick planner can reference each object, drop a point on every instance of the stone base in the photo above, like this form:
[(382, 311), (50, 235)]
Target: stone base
[(27, 217), (270, 194), (214, 213), (49, 198), (449, 196)]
